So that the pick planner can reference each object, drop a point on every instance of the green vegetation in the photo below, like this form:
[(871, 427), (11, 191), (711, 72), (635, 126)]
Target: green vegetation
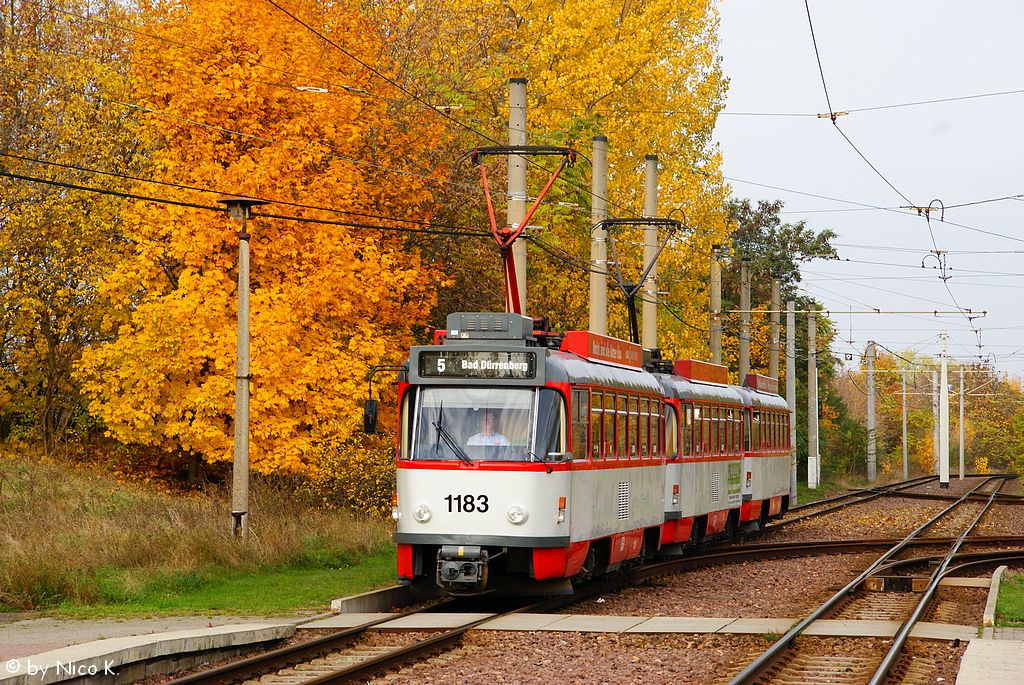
[(1010, 606), (829, 486), (80, 543)]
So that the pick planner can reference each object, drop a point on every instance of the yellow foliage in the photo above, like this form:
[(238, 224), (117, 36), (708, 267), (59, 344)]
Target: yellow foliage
[(981, 464), (58, 73), (327, 302), (646, 75)]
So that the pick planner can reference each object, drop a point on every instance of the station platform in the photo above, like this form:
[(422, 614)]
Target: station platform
[(993, 662), (98, 657)]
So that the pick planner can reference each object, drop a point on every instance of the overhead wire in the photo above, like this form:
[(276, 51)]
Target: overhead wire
[(223, 193), (195, 205)]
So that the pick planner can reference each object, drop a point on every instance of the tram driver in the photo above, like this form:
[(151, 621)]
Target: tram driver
[(488, 435)]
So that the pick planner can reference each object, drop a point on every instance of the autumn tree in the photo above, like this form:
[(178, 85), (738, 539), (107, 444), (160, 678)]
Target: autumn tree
[(283, 114), (61, 67), (654, 86)]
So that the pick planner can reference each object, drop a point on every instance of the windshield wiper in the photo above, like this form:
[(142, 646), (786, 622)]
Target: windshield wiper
[(534, 457), (444, 435)]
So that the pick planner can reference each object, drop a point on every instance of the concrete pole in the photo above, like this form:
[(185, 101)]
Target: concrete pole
[(906, 465), (517, 177), (813, 461), (773, 335), (944, 419), (649, 334), (961, 423), (744, 319), (599, 238), (240, 466), (716, 306), (872, 447), (935, 421), (791, 395)]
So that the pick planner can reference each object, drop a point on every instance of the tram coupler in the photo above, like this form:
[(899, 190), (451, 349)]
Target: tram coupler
[(462, 569)]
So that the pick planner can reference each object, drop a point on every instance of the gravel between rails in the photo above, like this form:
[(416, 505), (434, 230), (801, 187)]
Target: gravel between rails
[(593, 658), (939, 660), (775, 588), (957, 605), (954, 523), (885, 517), (1002, 519)]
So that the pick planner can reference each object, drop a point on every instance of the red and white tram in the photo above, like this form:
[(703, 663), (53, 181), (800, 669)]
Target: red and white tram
[(527, 459)]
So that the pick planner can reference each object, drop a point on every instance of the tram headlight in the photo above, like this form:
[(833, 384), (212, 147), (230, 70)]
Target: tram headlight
[(516, 515), (421, 513)]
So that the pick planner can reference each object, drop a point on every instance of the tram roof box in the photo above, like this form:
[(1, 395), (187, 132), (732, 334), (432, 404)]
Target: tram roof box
[(765, 384), (488, 326)]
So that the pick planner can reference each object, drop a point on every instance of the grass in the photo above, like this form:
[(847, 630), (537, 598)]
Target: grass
[(267, 591), (79, 543), (1010, 605), (828, 487)]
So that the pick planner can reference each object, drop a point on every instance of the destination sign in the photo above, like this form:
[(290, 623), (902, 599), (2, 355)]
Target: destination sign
[(478, 364)]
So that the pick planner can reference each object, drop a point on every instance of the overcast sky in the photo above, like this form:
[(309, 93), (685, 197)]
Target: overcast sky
[(876, 53)]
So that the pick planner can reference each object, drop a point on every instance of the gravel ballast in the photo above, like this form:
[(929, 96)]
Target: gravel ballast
[(545, 658), (776, 588)]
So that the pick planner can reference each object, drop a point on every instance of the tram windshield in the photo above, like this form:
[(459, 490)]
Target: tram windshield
[(483, 423)]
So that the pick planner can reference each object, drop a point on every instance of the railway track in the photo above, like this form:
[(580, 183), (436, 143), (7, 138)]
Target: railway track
[(348, 656), (796, 660)]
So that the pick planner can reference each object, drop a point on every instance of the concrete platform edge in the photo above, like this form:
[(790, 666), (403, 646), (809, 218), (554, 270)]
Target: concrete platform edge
[(103, 659), (989, 617), (374, 601)]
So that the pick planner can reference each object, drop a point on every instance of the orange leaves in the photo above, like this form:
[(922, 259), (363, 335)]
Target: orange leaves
[(327, 302)]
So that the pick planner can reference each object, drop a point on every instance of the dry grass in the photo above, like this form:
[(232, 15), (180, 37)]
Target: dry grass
[(68, 535)]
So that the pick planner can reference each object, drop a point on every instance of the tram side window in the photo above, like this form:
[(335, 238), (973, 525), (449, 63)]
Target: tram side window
[(715, 449), (644, 427), (740, 413), (725, 428), (755, 430), (727, 424), (620, 427), (706, 430), (656, 440), (687, 430), (608, 448), (596, 412), (550, 424), (737, 444), (785, 423), (746, 431), (580, 423), (671, 432), (634, 426), (405, 424)]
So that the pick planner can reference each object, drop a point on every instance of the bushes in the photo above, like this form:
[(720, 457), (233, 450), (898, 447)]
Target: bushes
[(359, 477)]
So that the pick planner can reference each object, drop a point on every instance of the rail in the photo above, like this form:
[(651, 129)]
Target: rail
[(786, 642)]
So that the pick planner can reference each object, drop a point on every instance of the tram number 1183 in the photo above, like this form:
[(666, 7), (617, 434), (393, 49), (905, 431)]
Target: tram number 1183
[(467, 504)]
